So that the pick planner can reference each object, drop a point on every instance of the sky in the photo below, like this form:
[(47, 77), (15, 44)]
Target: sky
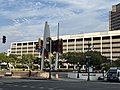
[(23, 20)]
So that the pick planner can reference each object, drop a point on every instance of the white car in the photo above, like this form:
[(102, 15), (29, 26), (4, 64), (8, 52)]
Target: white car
[(8, 73)]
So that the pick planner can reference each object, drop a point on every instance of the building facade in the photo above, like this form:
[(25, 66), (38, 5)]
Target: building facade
[(108, 43), (26, 47), (114, 18)]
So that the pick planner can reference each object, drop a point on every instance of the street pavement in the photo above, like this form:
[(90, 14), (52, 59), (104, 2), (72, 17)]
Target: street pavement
[(61, 84)]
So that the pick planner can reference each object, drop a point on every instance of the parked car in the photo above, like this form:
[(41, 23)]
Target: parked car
[(8, 73), (101, 78)]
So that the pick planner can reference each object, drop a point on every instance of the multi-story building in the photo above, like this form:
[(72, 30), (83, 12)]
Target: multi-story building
[(108, 43), (26, 47), (114, 18)]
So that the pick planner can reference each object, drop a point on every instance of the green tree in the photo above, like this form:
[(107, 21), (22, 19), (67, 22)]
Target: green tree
[(74, 57), (116, 63), (96, 59), (27, 59), (3, 57), (13, 58)]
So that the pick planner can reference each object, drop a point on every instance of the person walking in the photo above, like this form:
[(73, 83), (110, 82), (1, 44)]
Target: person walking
[(29, 74)]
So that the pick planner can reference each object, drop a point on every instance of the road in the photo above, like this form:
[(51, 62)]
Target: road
[(26, 84)]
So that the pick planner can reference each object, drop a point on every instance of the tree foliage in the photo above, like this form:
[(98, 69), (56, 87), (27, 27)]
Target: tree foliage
[(3, 57), (13, 58), (74, 57), (27, 58), (116, 63), (96, 59)]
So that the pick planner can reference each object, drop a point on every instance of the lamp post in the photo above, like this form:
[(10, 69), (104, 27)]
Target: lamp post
[(78, 66), (49, 50), (88, 67), (88, 62)]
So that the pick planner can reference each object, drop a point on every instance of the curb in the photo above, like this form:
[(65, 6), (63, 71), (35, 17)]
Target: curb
[(19, 77), (69, 79), (56, 79), (32, 78)]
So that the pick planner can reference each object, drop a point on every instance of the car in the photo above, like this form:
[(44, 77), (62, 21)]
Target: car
[(9, 73), (101, 78)]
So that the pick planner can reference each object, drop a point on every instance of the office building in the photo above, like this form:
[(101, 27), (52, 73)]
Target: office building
[(114, 18), (108, 43), (26, 47)]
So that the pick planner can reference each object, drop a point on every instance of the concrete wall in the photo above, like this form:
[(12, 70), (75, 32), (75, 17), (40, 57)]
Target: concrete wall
[(74, 75), (84, 76), (26, 74)]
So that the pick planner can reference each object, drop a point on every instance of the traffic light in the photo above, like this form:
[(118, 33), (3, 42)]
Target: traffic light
[(4, 39), (60, 46), (39, 45), (36, 47), (48, 44), (48, 49), (57, 46)]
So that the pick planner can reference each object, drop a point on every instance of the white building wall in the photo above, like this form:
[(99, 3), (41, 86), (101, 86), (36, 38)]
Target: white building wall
[(82, 37)]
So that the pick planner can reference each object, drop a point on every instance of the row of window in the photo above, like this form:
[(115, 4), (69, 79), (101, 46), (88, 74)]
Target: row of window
[(24, 44), (72, 45)]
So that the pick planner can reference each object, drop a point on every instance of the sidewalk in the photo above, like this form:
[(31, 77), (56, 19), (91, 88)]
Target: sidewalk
[(41, 78), (45, 78), (69, 79), (24, 77)]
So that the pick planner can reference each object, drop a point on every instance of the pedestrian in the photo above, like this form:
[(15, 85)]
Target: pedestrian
[(37, 74), (29, 73)]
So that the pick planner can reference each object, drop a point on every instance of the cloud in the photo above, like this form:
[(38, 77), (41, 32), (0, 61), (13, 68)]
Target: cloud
[(75, 16)]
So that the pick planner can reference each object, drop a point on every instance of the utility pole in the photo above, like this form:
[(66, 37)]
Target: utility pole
[(88, 63)]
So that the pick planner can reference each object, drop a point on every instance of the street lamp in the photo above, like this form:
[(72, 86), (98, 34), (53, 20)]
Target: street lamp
[(88, 66), (78, 66), (88, 62)]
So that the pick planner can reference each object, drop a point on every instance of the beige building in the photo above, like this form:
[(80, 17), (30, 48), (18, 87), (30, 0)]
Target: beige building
[(26, 47), (114, 18), (108, 43)]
